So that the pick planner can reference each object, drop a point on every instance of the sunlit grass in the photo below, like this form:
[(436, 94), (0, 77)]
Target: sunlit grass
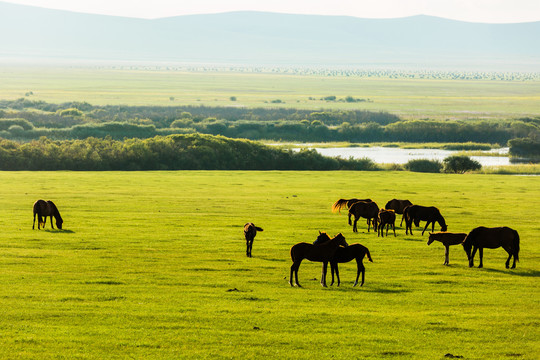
[(153, 265)]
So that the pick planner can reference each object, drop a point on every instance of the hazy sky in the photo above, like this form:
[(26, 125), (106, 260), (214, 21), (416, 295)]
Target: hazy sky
[(491, 11)]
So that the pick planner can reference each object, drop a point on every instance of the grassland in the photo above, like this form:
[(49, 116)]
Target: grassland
[(152, 265), (409, 98)]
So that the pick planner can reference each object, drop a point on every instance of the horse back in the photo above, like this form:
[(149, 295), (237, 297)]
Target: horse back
[(495, 237)]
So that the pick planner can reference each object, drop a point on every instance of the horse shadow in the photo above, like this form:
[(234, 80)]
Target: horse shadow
[(523, 273), (59, 231)]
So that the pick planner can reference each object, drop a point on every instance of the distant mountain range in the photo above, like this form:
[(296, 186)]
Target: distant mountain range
[(270, 39)]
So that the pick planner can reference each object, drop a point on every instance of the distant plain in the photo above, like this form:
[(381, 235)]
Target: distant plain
[(410, 98)]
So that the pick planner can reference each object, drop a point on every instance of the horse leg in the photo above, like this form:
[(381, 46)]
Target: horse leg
[(354, 228), (350, 219), (323, 276), (34, 223), (333, 270), (294, 269), (427, 224), (481, 254), (471, 259), (394, 227), (446, 254), (336, 269), (401, 223)]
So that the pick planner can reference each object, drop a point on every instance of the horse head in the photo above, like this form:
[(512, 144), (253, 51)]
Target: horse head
[(431, 238), (341, 240), (322, 238), (59, 222)]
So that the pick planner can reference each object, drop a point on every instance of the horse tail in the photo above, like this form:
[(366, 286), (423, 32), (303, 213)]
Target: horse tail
[(368, 255), (516, 245), (37, 210), (340, 204)]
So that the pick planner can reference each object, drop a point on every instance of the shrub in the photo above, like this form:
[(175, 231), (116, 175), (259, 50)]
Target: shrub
[(460, 164), (424, 165)]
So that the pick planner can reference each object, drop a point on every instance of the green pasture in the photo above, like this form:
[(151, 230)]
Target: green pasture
[(153, 265), (409, 98)]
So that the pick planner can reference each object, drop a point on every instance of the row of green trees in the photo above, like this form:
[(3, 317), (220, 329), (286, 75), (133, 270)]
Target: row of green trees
[(304, 131), (174, 152)]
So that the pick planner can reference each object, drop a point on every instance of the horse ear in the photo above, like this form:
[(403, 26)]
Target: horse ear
[(320, 233)]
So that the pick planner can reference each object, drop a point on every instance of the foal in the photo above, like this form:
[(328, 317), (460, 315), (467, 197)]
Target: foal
[(250, 230), (447, 239), (386, 217)]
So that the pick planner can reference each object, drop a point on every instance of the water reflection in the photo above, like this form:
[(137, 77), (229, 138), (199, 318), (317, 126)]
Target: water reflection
[(385, 155)]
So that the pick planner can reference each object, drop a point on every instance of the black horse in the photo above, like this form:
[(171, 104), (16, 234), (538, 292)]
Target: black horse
[(43, 209), (492, 238), (417, 213), (343, 255)]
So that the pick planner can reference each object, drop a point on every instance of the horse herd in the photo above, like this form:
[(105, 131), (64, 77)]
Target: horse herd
[(336, 250)]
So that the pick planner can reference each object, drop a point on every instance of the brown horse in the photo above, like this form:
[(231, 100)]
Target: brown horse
[(447, 239), (321, 253), (368, 210), (398, 206), (250, 230), (417, 213), (492, 238), (343, 255), (341, 203), (386, 217), (43, 209)]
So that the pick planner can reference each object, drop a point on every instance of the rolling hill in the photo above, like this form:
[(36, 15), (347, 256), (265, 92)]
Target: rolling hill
[(255, 38)]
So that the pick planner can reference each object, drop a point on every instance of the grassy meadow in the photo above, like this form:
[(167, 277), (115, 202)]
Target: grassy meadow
[(153, 265), (409, 98)]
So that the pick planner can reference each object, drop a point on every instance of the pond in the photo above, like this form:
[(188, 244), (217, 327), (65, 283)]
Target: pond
[(388, 155)]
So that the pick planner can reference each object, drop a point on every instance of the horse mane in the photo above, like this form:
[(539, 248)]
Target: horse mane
[(56, 211)]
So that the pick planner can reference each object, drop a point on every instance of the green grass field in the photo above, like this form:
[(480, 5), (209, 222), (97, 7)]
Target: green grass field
[(410, 98), (153, 265)]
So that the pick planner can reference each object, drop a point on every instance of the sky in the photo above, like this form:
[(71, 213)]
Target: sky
[(485, 11)]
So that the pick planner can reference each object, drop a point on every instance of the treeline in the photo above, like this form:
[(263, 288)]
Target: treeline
[(25, 120), (174, 152)]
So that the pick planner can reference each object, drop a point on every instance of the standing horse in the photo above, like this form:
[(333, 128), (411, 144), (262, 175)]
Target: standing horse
[(341, 203), (321, 253), (343, 255), (417, 213), (447, 239), (398, 206), (386, 217), (492, 238), (43, 209), (368, 210), (250, 230)]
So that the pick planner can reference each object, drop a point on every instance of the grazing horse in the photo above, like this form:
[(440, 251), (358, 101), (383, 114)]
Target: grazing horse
[(368, 210), (386, 217), (322, 252), (250, 230), (343, 255), (398, 206), (492, 238), (341, 203), (417, 213), (447, 239), (43, 209)]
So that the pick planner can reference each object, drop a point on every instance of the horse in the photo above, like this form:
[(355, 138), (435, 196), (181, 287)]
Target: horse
[(368, 210), (419, 213), (386, 217), (398, 206), (343, 255), (322, 252), (341, 203), (492, 238), (447, 239), (250, 230), (43, 209)]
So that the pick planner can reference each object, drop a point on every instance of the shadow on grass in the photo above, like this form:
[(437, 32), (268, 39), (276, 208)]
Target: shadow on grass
[(515, 272), (57, 231)]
